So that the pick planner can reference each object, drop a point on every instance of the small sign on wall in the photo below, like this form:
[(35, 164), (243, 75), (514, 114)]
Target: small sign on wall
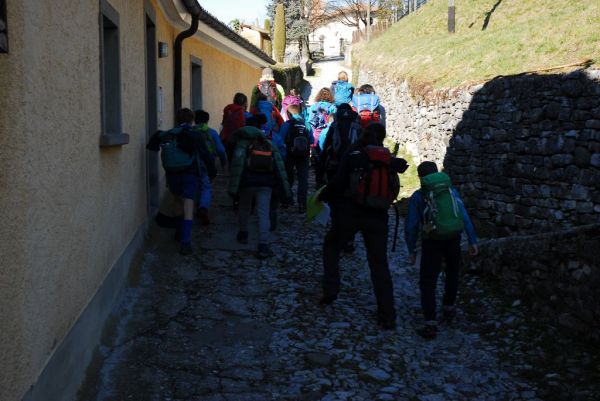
[(3, 28)]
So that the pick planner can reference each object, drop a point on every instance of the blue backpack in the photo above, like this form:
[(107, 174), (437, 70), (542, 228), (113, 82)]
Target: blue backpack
[(318, 118), (176, 149), (266, 107), (343, 92)]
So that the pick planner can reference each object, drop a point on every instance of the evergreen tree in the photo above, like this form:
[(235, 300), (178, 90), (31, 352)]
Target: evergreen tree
[(279, 38), (268, 43), (296, 21)]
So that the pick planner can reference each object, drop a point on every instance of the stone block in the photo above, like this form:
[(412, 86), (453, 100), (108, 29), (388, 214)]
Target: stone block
[(562, 160), (592, 124), (552, 111), (587, 103), (581, 157), (572, 88)]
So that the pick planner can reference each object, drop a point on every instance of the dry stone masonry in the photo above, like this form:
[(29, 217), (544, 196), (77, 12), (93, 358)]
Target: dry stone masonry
[(524, 151)]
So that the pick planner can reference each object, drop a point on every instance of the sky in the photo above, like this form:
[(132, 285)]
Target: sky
[(244, 10)]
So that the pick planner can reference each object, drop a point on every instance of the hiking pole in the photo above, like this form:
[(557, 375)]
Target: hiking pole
[(395, 204)]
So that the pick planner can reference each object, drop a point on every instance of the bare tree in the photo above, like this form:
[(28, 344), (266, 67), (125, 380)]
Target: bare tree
[(349, 12)]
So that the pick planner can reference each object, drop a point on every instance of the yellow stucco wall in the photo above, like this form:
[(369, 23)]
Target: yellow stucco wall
[(69, 208), (222, 77)]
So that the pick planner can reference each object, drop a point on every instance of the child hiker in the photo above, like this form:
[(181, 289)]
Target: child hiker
[(438, 212)]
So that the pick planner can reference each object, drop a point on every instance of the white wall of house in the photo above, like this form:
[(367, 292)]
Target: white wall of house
[(331, 35)]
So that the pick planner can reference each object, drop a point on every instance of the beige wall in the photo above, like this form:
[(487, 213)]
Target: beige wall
[(69, 208), (222, 77)]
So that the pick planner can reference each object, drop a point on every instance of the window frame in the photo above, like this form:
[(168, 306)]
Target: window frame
[(113, 135), (3, 27)]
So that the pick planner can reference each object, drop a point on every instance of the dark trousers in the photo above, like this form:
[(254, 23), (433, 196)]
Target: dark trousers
[(299, 168), (229, 149), (432, 254), (345, 223)]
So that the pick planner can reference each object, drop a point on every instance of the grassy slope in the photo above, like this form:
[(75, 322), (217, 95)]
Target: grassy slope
[(522, 35)]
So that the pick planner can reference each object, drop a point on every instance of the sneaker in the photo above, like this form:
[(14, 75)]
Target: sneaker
[(264, 251), (327, 299), (186, 249), (448, 314), (203, 216), (428, 331), (242, 237)]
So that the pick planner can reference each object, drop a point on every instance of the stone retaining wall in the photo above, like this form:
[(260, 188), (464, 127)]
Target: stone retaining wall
[(524, 150), (557, 274)]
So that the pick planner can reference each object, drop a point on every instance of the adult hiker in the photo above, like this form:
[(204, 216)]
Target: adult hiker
[(359, 196), (257, 169), (367, 104), (296, 136), (342, 133), (268, 87), (437, 211)]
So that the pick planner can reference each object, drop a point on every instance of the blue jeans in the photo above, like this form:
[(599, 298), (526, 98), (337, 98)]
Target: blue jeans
[(263, 198), (205, 195), (184, 185), (299, 168)]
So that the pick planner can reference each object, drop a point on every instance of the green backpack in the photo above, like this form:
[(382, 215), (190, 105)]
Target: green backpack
[(442, 217), (211, 146)]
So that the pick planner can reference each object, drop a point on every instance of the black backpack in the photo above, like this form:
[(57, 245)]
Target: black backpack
[(297, 141), (260, 156), (344, 132)]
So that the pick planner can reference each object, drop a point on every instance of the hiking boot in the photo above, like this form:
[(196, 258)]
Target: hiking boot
[(186, 249), (242, 237), (264, 251), (203, 216), (327, 299), (448, 314), (428, 331)]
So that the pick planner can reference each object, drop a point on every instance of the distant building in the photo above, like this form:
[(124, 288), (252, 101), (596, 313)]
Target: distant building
[(331, 39), (83, 85), (255, 35)]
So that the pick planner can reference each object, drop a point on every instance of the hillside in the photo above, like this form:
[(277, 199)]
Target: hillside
[(521, 35)]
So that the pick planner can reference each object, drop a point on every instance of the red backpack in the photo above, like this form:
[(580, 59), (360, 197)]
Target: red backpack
[(269, 89), (376, 185)]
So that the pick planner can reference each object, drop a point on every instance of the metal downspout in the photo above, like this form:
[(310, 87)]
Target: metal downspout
[(194, 9)]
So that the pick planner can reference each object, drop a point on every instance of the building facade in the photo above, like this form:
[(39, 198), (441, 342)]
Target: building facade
[(83, 86)]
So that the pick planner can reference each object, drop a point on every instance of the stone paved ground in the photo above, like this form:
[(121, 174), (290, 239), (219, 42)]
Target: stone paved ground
[(224, 326)]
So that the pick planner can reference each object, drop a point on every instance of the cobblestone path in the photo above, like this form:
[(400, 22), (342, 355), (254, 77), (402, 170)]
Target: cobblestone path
[(224, 326)]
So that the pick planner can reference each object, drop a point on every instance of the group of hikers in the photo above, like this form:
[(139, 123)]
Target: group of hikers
[(271, 142)]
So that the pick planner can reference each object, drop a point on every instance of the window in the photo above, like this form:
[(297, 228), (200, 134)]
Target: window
[(196, 84), (111, 78), (3, 28)]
